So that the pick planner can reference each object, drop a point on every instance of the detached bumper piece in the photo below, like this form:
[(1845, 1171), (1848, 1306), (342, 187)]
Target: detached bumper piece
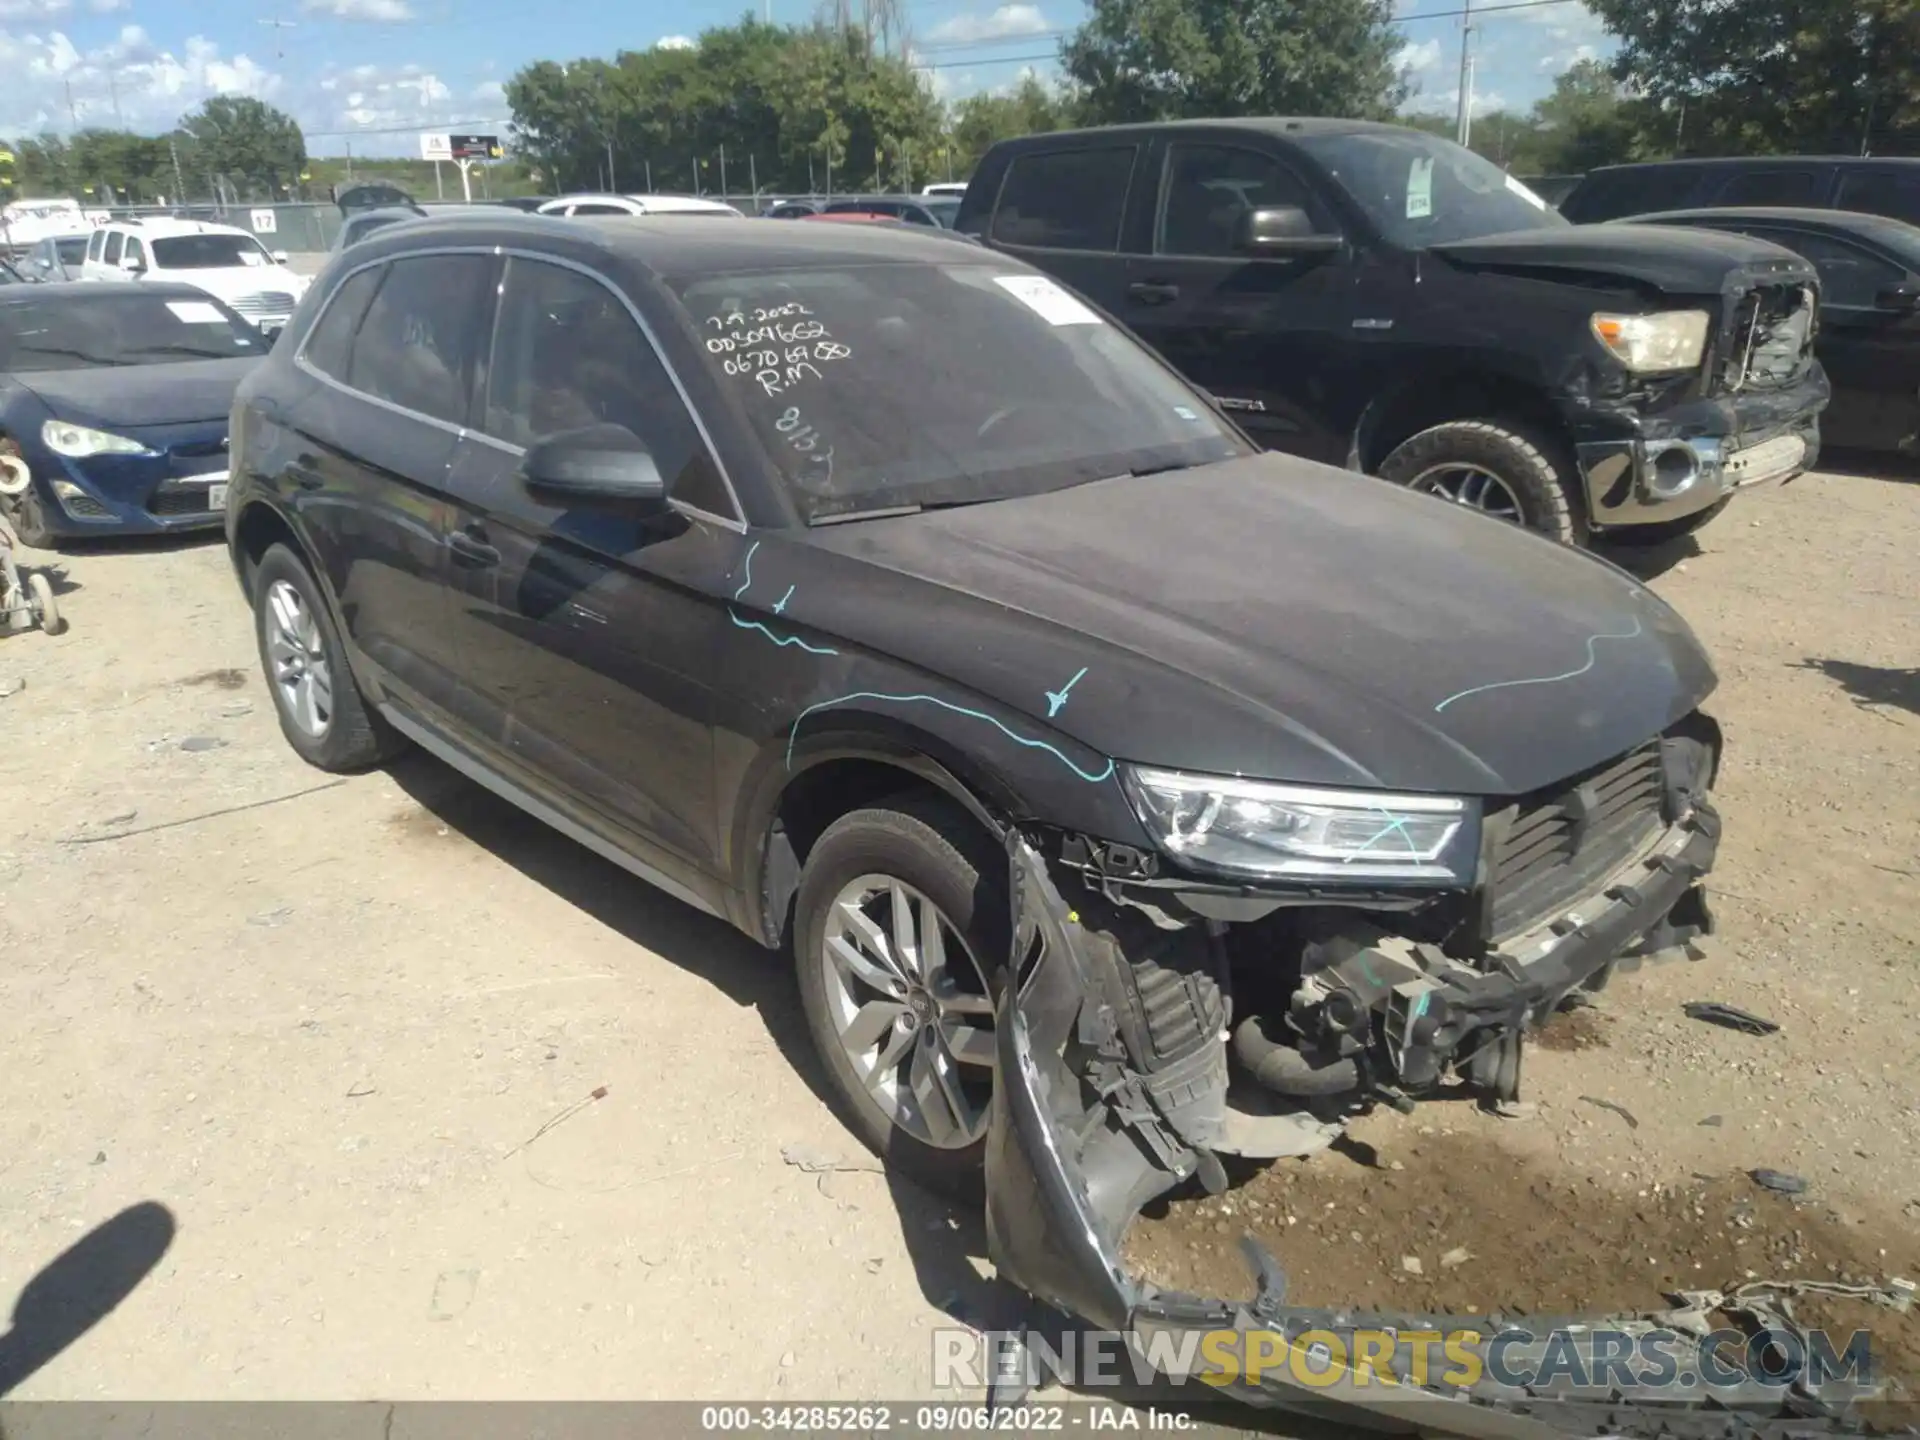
[(1079, 1142)]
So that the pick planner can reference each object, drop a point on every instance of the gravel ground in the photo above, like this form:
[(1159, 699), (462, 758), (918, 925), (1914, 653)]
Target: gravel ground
[(320, 1022)]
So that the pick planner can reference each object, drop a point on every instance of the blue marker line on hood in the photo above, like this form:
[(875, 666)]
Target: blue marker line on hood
[(1592, 660)]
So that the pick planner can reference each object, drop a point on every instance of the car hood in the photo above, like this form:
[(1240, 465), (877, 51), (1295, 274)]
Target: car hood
[(1679, 261), (124, 396), (1270, 617)]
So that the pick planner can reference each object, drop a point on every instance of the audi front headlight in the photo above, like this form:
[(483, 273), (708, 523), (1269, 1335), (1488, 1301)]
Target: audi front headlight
[(1255, 828), (1655, 344), (77, 442)]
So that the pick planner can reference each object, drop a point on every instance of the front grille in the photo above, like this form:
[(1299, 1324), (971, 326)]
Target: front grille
[(1551, 847), (268, 303), (191, 500), (1770, 342)]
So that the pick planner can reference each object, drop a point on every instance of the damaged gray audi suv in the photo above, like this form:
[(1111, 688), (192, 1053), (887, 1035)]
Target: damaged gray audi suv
[(1127, 797)]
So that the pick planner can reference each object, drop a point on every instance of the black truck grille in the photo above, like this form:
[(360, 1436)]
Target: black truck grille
[(1551, 847), (1770, 341)]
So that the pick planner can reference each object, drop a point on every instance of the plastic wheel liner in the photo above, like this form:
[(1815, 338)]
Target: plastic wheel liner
[(1077, 1145)]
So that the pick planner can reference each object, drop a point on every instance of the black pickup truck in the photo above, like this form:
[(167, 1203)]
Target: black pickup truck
[(1379, 298)]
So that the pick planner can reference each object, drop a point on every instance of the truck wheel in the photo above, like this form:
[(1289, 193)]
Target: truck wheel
[(901, 919), (1650, 536), (1502, 470)]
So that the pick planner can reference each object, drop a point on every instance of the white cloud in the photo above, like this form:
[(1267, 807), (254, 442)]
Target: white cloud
[(1005, 23), (1447, 102), (489, 92), (1416, 58), (33, 9), (1557, 61), (382, 11), (374, 97), (128, 81), (107, 7), (673, 42)]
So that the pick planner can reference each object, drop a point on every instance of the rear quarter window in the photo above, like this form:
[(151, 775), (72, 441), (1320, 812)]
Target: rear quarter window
[(1065, 200), (1608, 196), (1771, 186), (1890, 192)]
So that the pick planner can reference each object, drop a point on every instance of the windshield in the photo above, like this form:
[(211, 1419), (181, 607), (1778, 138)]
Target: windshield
[(72, 249), (84, 332), (881, 385), (208, 252), (944, 208), (1420, 190)]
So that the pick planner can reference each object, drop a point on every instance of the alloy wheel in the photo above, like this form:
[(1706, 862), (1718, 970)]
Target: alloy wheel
[(910, 1004), (1473, 486), (302, 680)]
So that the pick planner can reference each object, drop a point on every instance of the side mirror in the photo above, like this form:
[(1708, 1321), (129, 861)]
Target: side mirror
[(1902, 298), (279, 257), (1282, 230), (132, 264), (600, 462)]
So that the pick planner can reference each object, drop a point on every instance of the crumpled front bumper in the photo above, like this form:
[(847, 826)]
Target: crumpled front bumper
[(1068, 1167), (1642, 468)]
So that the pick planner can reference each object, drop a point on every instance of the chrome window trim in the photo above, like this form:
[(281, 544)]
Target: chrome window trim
[(737, 523)]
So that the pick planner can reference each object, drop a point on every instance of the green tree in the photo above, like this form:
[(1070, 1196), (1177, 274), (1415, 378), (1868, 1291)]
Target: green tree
[(1771, 75), (980, 121), (252, 145), (776, 105), (1163, 59), (1585, 122)]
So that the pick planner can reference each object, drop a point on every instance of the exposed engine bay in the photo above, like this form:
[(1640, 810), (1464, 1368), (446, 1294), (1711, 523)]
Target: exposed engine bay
[(1148, 1028)]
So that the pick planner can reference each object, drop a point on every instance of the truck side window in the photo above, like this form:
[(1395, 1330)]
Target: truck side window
[(1209, 187), (1770, 187), (1883, 192), (1069, 200)]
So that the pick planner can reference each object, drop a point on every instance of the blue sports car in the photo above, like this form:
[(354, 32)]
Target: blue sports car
[(116, 399)]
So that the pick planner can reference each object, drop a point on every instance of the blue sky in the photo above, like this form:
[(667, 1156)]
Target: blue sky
[(375, 72)]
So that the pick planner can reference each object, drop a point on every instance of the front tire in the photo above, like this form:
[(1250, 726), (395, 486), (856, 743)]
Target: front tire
[(1503, 470), (900, 923), (322, 713)]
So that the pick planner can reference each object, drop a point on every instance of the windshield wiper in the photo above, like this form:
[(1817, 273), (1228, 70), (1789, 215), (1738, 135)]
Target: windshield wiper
[(199, 350), (86, 355), (883, 512)]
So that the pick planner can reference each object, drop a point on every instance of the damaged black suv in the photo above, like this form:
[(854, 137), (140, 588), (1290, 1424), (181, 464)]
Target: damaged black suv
[(875, 594), (1379, 298)]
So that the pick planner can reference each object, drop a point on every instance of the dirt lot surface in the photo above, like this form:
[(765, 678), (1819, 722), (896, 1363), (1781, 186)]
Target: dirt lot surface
[(321, 1022)]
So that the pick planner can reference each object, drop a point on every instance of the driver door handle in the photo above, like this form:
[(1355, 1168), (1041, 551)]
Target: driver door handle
[(1154, 292), (469, 550)]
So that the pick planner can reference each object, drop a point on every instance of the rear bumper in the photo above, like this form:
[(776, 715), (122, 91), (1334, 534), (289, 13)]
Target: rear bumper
[(1642, 469)]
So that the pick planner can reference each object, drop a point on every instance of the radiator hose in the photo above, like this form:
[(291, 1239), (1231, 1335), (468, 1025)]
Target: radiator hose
[(1285, 1070)]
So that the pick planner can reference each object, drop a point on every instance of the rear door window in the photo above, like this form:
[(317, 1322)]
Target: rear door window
[(1850, 276), (1890, 192), (329, 347), (1066, 200), (115, 240), (417, 346), (599, 207), (1770, 186), (95, 244)]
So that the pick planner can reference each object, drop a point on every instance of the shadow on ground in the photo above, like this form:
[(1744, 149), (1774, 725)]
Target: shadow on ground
[(1649, 562), (1873, 687), (81, 1286), (1872, 465)]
